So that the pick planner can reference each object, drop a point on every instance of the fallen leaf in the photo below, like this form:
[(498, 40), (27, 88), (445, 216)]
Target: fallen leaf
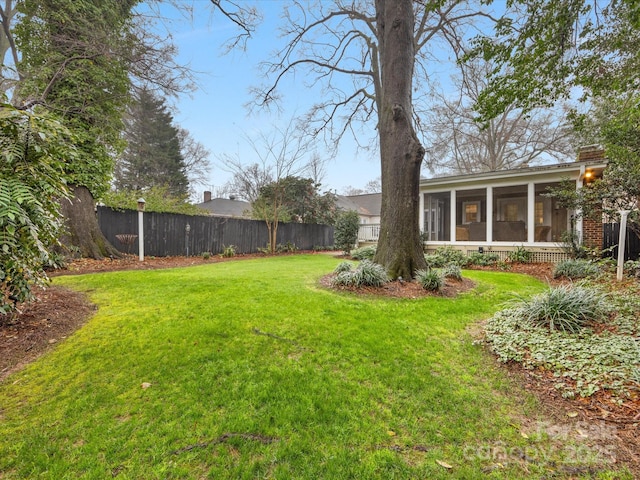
[(391, 433), (572, 414), (443, 464), (145, 385)]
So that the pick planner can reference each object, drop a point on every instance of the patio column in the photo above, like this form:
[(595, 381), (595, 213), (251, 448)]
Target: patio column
[(453, 216), (489, 214), (578, 213), (531, 212), (421, 212)]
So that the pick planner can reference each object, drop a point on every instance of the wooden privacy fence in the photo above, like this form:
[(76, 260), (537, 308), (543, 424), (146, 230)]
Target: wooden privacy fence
[(165, 234), (610, 238)]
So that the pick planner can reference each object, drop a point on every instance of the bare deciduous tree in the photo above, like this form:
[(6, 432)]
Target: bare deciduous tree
[(368, 56), (196, 158), (458, 143), (280, 154)]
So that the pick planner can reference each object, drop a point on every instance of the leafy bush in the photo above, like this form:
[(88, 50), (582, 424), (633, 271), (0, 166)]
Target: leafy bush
[(229, 251), (565, 308), (446, 255), (483, 259), (346, 231), (343, 267), (575, 268), (430, 279), (366, 274), (632, 267), (452, 271), (286, 248), (206, 255), (364, 253), (520, 255), (34, 149)]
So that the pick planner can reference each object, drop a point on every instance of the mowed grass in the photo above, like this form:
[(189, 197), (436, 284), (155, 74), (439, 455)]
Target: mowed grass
[(256, 372)]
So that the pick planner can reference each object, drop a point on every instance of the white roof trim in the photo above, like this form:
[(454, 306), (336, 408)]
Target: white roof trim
[(557, 170)]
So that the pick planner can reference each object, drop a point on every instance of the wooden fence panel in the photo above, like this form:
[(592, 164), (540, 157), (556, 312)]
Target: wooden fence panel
[(165, 234), (610, 238)]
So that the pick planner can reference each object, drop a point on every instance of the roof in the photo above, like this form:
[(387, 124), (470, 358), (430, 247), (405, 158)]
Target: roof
[(366, 204), (558, 169), (224, 207)]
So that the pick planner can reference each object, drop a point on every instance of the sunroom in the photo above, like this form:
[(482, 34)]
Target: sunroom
[(501, 211)]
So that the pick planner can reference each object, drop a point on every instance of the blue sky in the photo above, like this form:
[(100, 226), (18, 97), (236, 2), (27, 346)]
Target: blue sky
[(216, 114)]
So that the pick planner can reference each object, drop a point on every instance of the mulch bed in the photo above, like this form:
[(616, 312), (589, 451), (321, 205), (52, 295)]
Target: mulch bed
[(58, 312)]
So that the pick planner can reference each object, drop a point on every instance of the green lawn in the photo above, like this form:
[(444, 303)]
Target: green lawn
[(256, 372)]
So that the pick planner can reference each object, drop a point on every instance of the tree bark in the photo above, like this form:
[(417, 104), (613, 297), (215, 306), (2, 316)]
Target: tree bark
[(82, 235), (399, 246)]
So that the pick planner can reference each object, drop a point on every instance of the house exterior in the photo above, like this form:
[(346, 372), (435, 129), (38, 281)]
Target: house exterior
[(501, 211), (225, 207), (368, 207)]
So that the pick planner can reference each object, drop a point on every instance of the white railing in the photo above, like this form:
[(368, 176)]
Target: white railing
[(369, 232)]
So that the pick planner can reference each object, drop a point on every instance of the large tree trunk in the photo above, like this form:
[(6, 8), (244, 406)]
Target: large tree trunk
[(83, 236), (399, 246)]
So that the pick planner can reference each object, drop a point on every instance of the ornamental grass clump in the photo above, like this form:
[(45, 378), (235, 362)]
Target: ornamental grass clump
[(452, 271), (565, 308), (366, 274), (575, 268), (432, 280), (343, 267)]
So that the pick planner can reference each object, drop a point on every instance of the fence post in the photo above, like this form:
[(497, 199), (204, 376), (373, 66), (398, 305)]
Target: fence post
[(141, 203), (622, 238)]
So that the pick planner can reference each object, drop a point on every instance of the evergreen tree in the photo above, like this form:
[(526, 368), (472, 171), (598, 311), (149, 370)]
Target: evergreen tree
[(153, 155)]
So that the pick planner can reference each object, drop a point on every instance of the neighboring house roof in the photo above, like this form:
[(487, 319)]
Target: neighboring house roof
[(368, 204), (224, 207)]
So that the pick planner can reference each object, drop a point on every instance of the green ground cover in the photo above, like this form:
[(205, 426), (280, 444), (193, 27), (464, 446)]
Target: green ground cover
[(249, 370)]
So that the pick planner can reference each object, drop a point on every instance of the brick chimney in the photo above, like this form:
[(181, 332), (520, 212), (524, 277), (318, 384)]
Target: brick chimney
[(207, 196), (591, 152)]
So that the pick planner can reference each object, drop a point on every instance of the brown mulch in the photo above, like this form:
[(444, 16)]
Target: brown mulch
[(58, 312), (55, 315)]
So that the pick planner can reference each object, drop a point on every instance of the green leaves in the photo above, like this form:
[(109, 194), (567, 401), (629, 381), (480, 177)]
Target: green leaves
[(31, 183)]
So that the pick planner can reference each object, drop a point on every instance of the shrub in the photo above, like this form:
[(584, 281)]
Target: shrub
[(566, 308), (446, 255), (366, 274), (286, 248), (575, 268), (346, 230), (632, 267), (483, 259), (520, 255), (229, 251), (430, 279), (206, 255), (364, 253), (343, 267), (452, 271)]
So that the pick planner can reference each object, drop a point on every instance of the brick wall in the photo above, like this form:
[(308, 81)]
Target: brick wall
[(592, 233)]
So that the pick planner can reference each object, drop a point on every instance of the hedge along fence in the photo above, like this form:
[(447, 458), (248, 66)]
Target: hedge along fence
[(165, 233)]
